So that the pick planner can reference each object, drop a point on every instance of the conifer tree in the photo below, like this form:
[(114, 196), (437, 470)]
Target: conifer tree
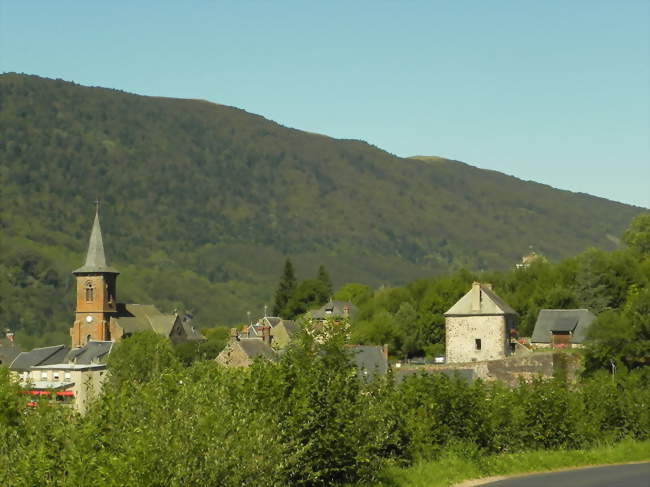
[(285, 289), (324, 277)]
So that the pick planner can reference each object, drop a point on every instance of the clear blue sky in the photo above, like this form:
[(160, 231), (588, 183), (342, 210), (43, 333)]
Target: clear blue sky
[(553, 91)]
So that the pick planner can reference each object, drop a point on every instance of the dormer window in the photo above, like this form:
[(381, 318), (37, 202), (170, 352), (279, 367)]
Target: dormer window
[(89, 291)]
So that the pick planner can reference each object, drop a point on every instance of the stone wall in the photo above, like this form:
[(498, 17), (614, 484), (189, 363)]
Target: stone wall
[(463, 331)]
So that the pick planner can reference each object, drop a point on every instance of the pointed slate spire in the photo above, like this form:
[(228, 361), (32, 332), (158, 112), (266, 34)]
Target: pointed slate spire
[(95, 257)]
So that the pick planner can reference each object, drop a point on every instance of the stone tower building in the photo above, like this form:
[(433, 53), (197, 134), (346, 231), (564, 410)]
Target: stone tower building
[(96, 293), (478, 326)]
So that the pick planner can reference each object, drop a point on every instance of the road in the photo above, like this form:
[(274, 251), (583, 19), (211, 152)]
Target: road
[(631, 475)]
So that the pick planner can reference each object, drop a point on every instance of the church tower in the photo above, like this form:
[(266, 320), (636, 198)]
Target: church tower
[(96, 300)]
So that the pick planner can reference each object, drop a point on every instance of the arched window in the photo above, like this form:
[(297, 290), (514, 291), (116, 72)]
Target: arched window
[(90, 292), (88, 338)]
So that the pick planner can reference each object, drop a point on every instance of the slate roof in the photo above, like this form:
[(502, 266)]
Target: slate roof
[(142, 317), (576, 321), (255, 347), (92, 352), (95, 256), (490, 303), (191, 333), (333, 309), (369, 360), (290, 326), (40, 356)]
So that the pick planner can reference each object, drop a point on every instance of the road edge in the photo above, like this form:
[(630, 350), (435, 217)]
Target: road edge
[(496, 478)]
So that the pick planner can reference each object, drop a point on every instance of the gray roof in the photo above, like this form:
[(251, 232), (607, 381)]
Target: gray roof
[(143, 317), (333, 309), (369, 360), (95, 257), (191, 333), (489, 303), (40, 356), (576, 321), (290, 326), (91, 352), (256, 347)]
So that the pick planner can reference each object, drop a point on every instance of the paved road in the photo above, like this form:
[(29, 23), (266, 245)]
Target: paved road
[(634, 475)]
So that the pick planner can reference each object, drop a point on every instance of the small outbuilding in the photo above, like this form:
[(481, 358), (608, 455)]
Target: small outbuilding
[(561, 328)]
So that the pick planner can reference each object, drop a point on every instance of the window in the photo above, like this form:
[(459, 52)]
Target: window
[(43, 375), (56, 376), (90, 292), (67, 375), (478, 343)]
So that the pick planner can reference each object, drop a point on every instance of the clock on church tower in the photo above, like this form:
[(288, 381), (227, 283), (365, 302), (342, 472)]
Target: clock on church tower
[(96, 298)]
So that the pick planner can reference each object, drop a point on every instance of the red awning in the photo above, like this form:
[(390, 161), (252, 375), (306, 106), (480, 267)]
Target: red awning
[(65, 393), (37, 393)]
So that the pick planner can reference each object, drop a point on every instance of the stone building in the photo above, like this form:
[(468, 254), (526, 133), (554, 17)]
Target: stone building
[(242, 349), (478, 327)]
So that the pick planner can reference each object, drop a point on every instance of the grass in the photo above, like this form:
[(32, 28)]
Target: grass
[(453, 468)]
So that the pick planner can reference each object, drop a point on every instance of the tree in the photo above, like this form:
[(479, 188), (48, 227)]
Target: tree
[(285, 289), (309, 294), (141, 358), (324, 277), (637, 236)]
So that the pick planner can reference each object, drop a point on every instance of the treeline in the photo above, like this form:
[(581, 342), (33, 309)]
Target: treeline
[(614, 285), (305, 421), (202, 203)]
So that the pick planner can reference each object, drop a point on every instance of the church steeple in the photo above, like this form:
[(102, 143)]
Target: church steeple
[(95, 256), (96, 292)]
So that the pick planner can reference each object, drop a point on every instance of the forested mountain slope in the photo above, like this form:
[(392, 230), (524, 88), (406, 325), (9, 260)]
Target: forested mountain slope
[(201, 203)]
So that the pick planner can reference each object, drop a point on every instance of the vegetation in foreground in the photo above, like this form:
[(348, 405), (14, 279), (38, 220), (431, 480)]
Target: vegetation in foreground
[(305, 421), (455, 466)]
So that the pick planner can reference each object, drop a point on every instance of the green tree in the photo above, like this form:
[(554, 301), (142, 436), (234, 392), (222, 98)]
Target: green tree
[(285, 289), (637, 236), (324, 277), (140, 358)]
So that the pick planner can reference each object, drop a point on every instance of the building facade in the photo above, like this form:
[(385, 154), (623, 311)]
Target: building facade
[(479, 326)]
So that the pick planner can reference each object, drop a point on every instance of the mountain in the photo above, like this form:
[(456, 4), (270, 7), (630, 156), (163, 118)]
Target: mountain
[(201, 203)]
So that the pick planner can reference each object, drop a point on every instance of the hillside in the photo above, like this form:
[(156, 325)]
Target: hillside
[(202, 202)]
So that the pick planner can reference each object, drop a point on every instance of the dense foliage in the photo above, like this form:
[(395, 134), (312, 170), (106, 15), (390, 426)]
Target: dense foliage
[(306, 421), (614, 285), (203, 202)]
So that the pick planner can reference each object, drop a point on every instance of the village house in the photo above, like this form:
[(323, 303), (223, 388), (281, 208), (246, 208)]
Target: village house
[(561, 328), (242, 349), (58, 373), (336, 310), (479, 326)]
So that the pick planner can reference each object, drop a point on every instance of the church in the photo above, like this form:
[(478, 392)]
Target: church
[(74, 374), (98, 315)]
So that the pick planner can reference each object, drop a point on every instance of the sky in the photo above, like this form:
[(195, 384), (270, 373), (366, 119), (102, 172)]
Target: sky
[(556, 92)]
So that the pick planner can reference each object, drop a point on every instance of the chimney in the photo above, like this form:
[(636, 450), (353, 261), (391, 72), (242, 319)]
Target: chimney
[(234, 334), (266, 335), (346, 311), (476, 296), (385, 351), (10, 335)]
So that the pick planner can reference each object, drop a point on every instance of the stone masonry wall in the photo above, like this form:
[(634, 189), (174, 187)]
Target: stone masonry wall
[(462, 332)]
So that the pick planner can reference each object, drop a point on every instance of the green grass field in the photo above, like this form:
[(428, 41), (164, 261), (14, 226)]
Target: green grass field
[(453, 468)]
